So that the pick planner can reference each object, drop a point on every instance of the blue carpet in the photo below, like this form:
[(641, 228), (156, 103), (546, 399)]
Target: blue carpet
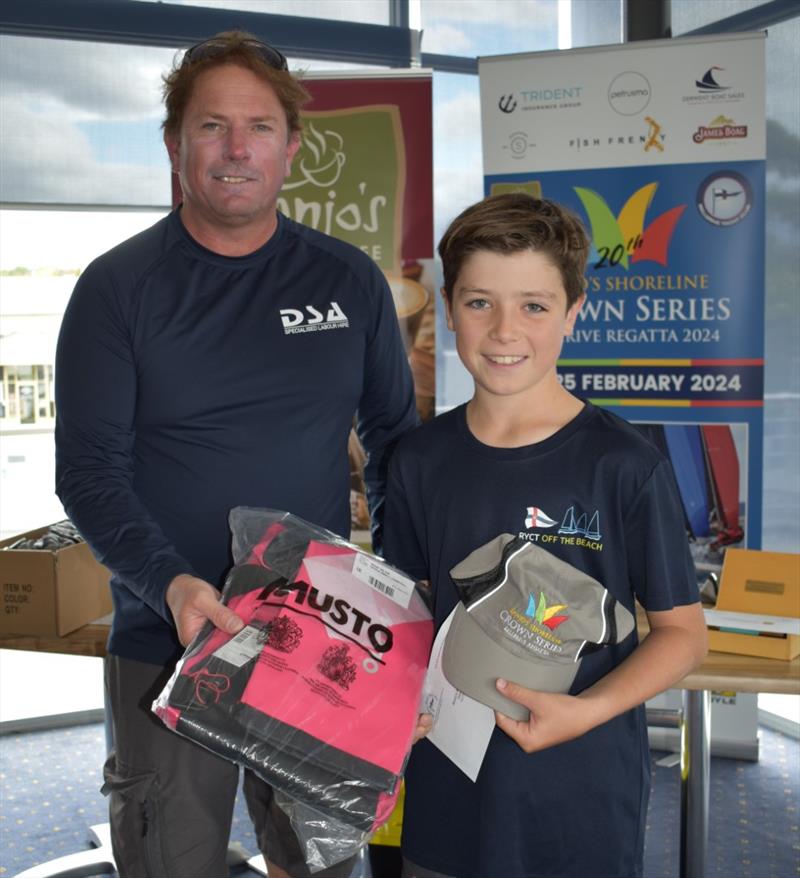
[(49, 784)]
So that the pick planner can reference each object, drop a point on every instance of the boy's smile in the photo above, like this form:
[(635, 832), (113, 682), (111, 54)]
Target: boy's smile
[(510, 316)]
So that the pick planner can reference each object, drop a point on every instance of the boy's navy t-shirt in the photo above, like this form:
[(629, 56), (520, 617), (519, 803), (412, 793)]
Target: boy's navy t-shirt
[(598, 495)]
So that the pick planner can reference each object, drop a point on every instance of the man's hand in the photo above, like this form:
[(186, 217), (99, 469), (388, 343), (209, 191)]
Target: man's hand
[(192, 601), (554, 718), (424, 725)]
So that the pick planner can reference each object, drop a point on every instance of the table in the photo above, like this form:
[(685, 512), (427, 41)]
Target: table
[(719, 671)]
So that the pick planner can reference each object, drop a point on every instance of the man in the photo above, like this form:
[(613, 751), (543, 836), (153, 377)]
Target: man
[(184, 389)]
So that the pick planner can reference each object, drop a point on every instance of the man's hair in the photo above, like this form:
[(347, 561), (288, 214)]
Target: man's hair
[(230, 47), (513, 222)]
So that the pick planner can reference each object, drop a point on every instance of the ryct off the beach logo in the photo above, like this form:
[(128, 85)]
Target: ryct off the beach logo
[(294, 320), (507, 104)]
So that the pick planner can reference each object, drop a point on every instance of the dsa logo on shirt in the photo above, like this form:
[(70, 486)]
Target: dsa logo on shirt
[(311, 319)]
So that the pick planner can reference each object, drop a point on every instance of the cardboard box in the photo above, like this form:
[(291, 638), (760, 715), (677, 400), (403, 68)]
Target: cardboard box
[(765, 585), (50, 593)]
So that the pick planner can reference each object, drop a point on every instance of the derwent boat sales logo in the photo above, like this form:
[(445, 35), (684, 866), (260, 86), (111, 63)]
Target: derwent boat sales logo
[(712, 87)]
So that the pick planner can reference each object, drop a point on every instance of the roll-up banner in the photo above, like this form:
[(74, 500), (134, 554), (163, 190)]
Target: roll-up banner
[(364, 174), (660, 147)]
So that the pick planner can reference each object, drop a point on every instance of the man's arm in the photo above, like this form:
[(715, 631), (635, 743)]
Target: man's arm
[(676, 645), (96, 389), (387, 408)]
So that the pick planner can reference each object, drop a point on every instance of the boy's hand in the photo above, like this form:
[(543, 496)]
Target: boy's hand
[(424, 725), (554, 718), (192, 601)]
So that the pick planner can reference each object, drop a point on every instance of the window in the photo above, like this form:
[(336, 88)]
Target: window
[(365, 11), (472, 28)]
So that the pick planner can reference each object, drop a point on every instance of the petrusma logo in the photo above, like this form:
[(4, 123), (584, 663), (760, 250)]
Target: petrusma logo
[(629, 93)]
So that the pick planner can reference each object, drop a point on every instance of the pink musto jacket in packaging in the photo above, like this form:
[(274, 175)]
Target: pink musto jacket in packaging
[(319, 693)]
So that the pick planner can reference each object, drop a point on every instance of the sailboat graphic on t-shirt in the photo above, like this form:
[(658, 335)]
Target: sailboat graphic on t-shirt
[(571, 525)]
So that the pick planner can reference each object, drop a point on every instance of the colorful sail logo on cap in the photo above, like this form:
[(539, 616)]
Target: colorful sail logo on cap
[(543, 614)]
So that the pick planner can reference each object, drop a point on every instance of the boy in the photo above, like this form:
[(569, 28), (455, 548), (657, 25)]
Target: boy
[(564, 793)]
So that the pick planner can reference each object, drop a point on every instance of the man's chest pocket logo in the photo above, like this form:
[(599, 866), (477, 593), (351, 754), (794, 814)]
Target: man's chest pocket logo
[(311, 319)]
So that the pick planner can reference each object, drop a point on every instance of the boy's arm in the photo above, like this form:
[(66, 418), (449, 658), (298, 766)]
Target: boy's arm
[(676, 645)]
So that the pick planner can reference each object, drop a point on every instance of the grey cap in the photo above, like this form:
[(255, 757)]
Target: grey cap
[(528, 617)]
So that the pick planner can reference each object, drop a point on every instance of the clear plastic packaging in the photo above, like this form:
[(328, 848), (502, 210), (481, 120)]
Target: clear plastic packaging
[(319, 693)]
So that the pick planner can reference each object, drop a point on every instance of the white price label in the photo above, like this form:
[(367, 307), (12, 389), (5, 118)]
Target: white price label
[(241, 648), (384, 579)]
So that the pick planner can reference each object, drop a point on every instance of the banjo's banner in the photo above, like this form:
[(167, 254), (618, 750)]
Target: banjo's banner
[(364, 173), (660, 148)]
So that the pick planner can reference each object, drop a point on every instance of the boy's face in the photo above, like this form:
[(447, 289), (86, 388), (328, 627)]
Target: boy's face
[(509, 313)]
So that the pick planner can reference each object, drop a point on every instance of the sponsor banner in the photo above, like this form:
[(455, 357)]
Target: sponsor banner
[(364, 174), (646, 103), (660, 148)]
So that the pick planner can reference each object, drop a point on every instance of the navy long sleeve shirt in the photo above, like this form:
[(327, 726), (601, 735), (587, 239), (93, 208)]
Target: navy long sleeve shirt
[(188, 383)]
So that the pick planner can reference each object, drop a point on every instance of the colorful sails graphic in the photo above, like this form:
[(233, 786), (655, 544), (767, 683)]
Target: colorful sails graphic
[(623, 239)]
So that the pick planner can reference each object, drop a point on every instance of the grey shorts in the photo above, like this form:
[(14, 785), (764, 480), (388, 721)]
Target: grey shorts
[(171, 801)]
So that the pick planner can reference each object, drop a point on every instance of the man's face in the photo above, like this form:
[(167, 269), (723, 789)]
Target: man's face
[(233, 153)]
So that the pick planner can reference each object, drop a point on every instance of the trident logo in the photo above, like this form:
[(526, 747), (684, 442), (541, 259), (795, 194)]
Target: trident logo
[(507, 104)]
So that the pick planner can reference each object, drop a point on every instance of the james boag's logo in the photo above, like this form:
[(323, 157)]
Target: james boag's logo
[(544, 615), (720, 128), (506, 103), (621, 239), (312, 319)]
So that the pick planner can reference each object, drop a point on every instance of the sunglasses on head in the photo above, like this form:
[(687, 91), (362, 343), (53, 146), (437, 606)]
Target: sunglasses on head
[(216, 46)]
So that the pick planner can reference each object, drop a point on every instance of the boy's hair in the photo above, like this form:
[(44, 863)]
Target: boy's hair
[(244, 50), (513, 222)]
